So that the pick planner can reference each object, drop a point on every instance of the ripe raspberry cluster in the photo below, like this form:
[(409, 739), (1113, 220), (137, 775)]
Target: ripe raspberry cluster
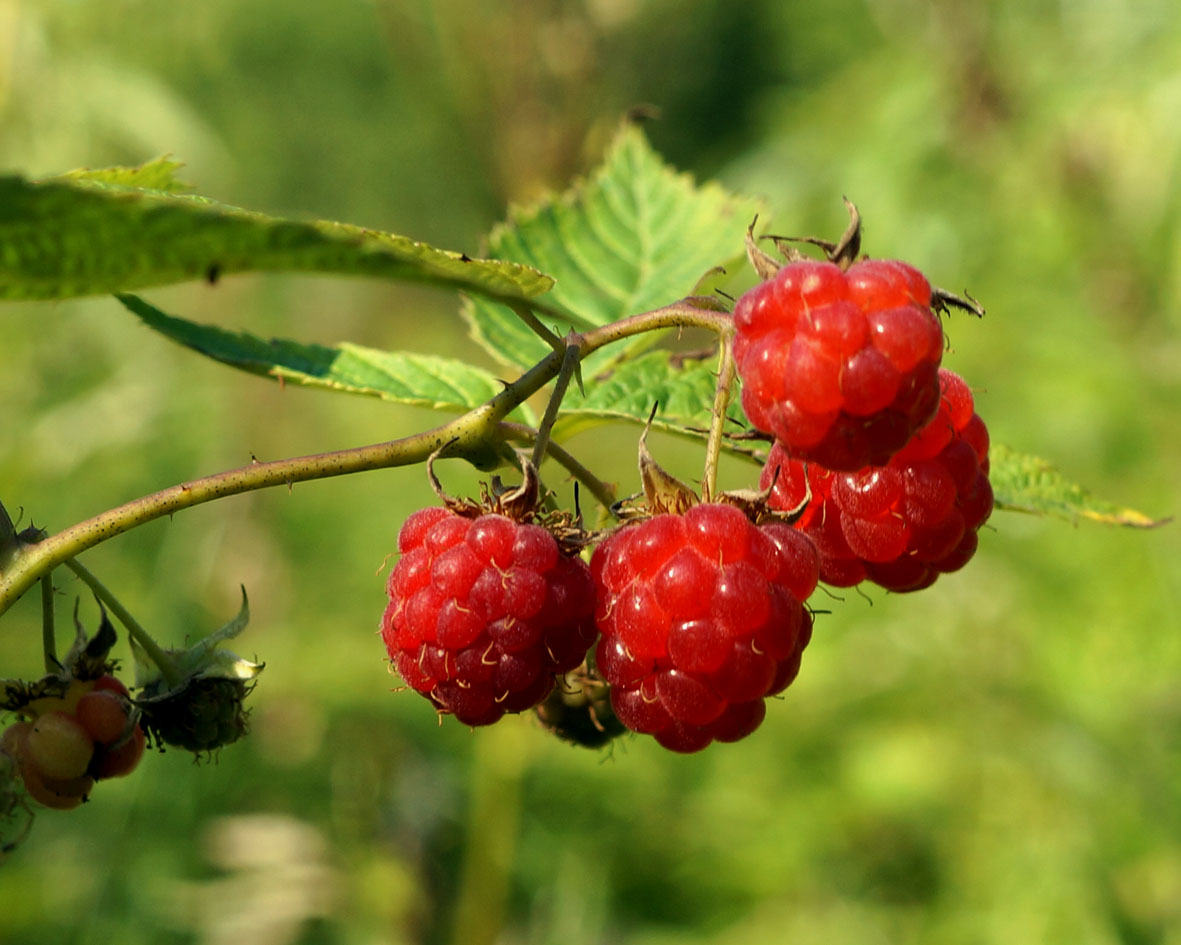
[(72, 741), (839, 365), (485, 612), (903, 524), (878, 472), (702, 617)]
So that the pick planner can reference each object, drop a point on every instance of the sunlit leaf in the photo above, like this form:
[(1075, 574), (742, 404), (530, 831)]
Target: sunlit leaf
[(634, 236), (1029, 484), (119, 229)]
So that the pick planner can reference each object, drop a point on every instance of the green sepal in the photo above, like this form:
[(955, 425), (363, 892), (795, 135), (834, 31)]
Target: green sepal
[(203, 660)]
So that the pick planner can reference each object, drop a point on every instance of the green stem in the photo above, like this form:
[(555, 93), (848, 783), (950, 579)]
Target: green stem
[(141, 636), (499, 765), (535, 325), (48, 630), (570, 359), (470, 432), (713, 446)]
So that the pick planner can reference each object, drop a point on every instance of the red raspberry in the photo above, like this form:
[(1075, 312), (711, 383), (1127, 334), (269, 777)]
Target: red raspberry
[(701, 617), (839, 365), (484, 613), (903, 524)]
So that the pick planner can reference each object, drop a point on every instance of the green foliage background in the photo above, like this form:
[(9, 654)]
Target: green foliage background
[(997, 759)]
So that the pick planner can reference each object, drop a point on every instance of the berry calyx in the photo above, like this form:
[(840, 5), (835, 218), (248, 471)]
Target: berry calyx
[(839, 364), (902, 524), (484, 612), (701, 617)]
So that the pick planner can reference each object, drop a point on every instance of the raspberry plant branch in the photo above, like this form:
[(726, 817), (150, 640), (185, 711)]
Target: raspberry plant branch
[(141, 636), (473, 432), (34, 559)]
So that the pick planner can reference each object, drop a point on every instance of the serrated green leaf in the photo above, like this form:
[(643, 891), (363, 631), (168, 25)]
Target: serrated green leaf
[(1029, 484), (157, 174), (634, 236), (683, 389), (398, 376), (92, 233)]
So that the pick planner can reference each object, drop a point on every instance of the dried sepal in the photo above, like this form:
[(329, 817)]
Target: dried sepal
[(756, 503), (763, 263), (87, 660)]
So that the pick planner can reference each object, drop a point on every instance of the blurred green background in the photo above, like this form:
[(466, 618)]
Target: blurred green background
[(997, 759)]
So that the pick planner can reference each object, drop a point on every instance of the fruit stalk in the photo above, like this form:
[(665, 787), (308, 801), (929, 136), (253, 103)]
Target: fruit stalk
[(523, 312), (717, 425), (141, 636), (570, 360)]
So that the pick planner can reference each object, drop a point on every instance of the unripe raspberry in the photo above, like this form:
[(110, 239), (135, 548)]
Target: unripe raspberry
[(484, 612), (205, 714), (121, 758), (103, 715), (47, 790), (59, 746), (57, 793), (903, 524), (701, 617), (840, 365)]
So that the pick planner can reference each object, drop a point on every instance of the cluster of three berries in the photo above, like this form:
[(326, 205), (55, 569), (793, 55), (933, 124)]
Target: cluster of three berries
[(701, 615)]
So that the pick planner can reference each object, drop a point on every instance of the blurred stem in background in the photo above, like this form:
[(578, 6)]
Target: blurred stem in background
[(493, 824)]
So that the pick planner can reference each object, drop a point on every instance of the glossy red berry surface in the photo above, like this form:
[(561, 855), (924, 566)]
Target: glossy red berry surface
[(903, 524), (701, 617), (484, 612), (839, 365)]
